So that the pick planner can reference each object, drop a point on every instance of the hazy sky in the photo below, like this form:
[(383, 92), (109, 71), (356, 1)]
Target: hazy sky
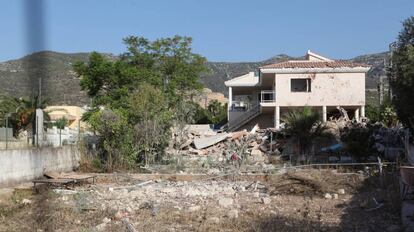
[(222, 30)]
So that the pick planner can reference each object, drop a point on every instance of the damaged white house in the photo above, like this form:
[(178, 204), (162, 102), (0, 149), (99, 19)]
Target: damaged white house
[(262, 97)]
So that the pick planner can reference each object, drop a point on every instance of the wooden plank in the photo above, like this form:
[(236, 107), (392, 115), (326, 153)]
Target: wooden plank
[(53, 181)]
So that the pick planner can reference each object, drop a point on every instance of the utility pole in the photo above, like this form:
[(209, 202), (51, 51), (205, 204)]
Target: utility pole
[(7, 130), (381, 90), (392, 47), (39, 98)]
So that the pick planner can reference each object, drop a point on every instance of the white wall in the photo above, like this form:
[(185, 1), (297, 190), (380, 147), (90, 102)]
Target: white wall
[(22, 165), (329, 89)]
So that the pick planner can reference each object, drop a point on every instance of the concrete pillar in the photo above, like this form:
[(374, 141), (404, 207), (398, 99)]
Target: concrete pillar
[(230, 97), (356, 114), (363, 111), (39, 127), (230, 103), (277, 117), (324, 114)]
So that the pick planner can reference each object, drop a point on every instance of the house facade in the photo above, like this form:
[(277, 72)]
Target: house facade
[(264, 96)]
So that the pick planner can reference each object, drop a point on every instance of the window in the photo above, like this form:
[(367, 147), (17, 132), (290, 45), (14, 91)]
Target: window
[(300, 85)]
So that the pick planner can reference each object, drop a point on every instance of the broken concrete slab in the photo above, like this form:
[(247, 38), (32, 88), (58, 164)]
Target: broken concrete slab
[(209, 141), (201, 129), (238, 134)]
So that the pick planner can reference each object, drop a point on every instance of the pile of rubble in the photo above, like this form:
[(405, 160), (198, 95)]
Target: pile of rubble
[(203, 140)]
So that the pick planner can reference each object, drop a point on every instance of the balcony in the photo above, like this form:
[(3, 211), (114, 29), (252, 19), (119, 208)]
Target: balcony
[(267, 96), (240, 106)]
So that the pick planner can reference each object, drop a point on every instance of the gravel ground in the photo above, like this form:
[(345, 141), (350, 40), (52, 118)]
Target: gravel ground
[(307, 200)]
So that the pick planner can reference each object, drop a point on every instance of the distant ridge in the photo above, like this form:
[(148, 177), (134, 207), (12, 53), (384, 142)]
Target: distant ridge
[(61, 85)]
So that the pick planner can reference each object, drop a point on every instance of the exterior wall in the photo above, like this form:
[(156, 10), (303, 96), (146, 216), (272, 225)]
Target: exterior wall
[(27, 164), (3, 133), (68, 111), (329, 89)]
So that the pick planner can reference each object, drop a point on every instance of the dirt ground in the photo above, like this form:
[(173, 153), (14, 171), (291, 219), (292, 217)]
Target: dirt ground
[(304, 200)]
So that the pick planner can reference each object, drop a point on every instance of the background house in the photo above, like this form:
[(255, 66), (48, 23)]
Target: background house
[(262, 97)]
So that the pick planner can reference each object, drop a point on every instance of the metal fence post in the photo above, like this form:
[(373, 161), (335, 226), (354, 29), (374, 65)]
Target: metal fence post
[(7, 132)]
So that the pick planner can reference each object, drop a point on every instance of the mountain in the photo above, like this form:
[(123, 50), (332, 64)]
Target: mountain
[(61, 85)]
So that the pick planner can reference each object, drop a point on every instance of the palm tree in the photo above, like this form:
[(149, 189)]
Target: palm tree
[(305, 126), (28, 112), (60, 124)]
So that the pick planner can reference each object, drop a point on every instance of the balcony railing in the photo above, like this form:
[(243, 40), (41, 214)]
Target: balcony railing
[(267, 96), (240, 106)]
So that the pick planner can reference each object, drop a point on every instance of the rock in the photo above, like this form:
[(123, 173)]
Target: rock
[(26, 201), (118, 215), (225, 202), (106, 220), (266, 200), (111, 189), (101, 227), (213, 220), (233, 214), (256, 152), (327, 196), (213, 171), (335, 196), (341, 191), (194, 208), (256, 194)]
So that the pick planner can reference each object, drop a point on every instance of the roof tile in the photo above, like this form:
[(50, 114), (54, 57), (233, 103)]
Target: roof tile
[(314, 64)]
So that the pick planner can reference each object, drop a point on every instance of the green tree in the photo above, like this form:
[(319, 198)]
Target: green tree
[(22, 112), (151, 121), (384, 113), (358, 140), (146, 90), (401, 74), (216, 111), (115, 137), (167, 63)]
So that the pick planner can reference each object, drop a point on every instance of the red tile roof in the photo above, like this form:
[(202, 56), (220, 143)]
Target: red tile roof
[(314, 64)]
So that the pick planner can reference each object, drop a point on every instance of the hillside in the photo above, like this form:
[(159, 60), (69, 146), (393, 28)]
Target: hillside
[(61, 85)]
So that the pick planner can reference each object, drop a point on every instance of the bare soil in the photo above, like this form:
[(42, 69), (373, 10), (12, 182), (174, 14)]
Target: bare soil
[(294, 201)]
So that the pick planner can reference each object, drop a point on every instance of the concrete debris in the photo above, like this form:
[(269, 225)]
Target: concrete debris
[(225, 202), (26, 201), (65, 191), (335, 196), (233, 214), (327, 196), (213, 220), (209, 141), (101, 227), (194, 208), (255, 148), (266, 200), (254, 129), (341, 191), (119, 215)]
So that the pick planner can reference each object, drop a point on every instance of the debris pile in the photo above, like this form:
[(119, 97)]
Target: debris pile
[(257, 145), (388, 141)]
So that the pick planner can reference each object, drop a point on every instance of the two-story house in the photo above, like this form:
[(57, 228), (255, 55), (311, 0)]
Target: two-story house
[(263, 96)]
